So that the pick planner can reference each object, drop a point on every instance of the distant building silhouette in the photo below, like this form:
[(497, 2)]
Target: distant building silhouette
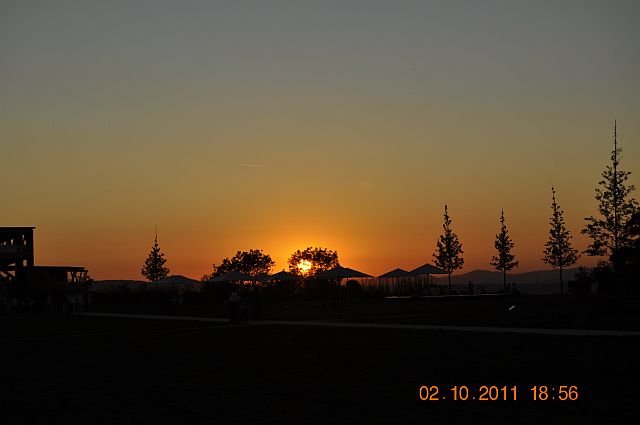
[(17, 260)]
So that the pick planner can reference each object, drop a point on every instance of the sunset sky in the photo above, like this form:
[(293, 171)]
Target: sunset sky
[(277, 125)]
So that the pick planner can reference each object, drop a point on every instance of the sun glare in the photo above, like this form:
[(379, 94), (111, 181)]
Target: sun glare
[(304, 266)]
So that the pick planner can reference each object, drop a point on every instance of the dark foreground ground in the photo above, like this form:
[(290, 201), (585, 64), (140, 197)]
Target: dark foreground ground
[(126, 371)]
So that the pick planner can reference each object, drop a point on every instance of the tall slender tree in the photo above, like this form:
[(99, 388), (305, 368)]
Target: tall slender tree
[(559, 252), (153, 268), (610, 232), (448, 255), (505, 260)]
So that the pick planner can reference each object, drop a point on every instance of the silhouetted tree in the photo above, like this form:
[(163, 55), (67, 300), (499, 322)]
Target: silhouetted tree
[(628, 257), (153, 268), (253, 262), (505, 260), (559, 252), (603, 275), (448, 255), (610, 232), (311, 261)]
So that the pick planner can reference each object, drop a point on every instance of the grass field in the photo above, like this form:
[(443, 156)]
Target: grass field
[(529, 311), (111, 370)]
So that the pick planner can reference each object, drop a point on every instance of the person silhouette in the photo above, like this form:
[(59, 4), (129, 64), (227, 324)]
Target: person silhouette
[(234, 306)]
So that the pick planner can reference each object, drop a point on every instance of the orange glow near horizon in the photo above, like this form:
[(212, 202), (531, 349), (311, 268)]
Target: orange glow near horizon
[(191, 252)]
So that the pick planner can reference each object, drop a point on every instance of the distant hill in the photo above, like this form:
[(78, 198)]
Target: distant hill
[(120, 281), (117, 284), (494, 277)]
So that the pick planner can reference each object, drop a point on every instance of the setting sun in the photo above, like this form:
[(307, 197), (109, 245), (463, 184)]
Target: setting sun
[(304, 266)]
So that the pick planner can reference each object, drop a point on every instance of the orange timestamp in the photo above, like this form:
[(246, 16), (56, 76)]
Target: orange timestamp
[(498, 393)]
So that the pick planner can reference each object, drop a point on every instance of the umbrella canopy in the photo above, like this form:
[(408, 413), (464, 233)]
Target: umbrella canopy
[(340, 272), (233, 277), (177, 279), (283, 275), (395, 273), (427, 269)]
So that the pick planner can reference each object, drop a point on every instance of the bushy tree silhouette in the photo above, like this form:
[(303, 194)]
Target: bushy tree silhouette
[(153, 268), (253, 262), (609, 233), (448, 255), (505, 260), (311, 261), (559, 252)]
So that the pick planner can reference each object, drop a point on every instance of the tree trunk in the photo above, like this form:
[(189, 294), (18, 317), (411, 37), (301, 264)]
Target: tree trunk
[(449, 283), (504, 280), (561, 285)]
